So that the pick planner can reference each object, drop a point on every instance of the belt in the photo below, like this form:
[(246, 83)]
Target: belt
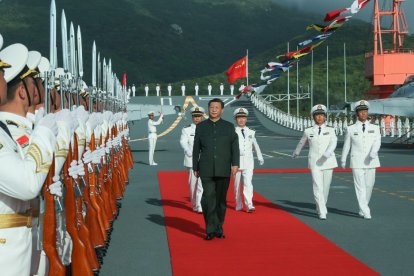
[(15, 220)]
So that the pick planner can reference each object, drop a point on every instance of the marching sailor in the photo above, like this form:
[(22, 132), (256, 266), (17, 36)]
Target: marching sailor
[(187, 142), (196, 88), (152, 135), (321, 160), (247, 142), (363, 139), (169, 88)]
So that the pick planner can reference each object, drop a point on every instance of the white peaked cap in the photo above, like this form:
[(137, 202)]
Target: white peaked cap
[(15, 55), (33, 60), (240, 112), (318, 109)]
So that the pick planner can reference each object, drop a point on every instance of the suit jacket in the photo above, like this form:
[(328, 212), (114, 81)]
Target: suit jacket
[(363, 145), (321, 147), (216, 148)]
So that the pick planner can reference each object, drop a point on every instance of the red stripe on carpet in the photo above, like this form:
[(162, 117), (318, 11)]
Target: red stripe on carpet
[(267, 242), (306, 170)]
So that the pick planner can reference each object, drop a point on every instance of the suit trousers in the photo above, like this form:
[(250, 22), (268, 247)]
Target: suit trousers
[(321, 181), (364, 180), (152, 140), (196, 190), (214, 202), (244, 176)]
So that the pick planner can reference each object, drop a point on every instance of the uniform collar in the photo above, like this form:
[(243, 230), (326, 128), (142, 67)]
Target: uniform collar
[(359, 123), (316, 127), (17, 119)]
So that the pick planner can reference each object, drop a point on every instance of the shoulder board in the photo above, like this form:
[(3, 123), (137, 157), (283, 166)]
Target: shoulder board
[(329, 127), (8, 122), (1, 146), (187, 126), (309, 127), (252, 129)]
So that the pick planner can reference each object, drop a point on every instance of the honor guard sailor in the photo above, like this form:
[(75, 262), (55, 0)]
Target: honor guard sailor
[(363, 139), (152, 135), (243, 178), (22, 174), (187, 142), (321, 159)]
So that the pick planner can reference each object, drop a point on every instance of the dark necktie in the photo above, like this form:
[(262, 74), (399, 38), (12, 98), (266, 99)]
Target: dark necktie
[(319, 132), (242, 130), (6, 129), (363, 127)]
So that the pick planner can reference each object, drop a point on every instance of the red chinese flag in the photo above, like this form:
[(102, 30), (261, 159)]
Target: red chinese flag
[(237, 71), (333, 14), (124, 80)]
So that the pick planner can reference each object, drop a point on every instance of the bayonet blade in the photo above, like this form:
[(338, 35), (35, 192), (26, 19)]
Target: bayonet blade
[(64, 42), (80, 59), (94, 64)]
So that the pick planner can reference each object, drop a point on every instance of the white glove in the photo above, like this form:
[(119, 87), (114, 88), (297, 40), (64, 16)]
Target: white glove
[(241, 153), (49, 122), (73, 170), (108, 147), (39, 115), (65, 116), (56, 187), (87, 156), (261, 162), (82, 115), (96, 157), (189, 153), (327, 154), (343, 164), (373, 155), (81, 168), (294, 155)]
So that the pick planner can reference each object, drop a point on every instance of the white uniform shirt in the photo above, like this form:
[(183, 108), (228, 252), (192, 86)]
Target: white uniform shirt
[(321, 147), (187, 142), (246, 146), (363, 145), (152, 126)]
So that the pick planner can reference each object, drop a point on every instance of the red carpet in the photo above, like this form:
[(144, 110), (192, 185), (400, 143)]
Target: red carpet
[(267, 242)]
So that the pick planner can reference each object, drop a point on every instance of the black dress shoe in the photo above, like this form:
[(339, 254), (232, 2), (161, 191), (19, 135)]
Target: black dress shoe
[(209, 237), (220, 235)]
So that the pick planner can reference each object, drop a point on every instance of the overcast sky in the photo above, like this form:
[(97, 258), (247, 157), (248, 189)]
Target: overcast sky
[(323, 6)]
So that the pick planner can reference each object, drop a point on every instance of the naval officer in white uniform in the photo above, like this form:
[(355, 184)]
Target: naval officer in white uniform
[(321, 159), (363, 139), (152, 135), (186, 142), (247, 142)]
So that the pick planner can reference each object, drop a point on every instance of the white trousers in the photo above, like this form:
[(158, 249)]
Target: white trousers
[(244, 176), (152, 141), (321, 181), (364, 180), (196, 190)]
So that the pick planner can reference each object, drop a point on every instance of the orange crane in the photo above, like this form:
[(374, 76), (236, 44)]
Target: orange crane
[(389, 68)]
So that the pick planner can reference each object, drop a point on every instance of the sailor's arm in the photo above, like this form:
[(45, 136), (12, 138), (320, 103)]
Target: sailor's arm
[(332, 145), (23, 178), (159, 121), (258, 151), (346, 148), (300, 145)]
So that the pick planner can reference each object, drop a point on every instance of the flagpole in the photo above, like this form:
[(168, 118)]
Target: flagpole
[(247, 67), (288, 85), (327, 79), (297, 86), (312, 81), (345, 69)]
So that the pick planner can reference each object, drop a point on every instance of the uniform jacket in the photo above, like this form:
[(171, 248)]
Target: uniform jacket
[(246, 145), (363, 145), (321, 147), (152, 130), (187, 142), (216, 148)]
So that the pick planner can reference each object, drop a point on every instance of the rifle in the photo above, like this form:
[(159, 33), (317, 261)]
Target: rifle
[(84, 233), (80, 263), (56, 268)]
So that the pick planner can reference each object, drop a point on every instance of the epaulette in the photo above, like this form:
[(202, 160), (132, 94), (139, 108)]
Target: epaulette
[(187, 126), (252, 129), (8, 122), (309, 127)]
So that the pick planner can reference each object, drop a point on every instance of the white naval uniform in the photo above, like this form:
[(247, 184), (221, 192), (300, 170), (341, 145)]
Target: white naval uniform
[(196, 189), (22, 177), (152, 138), (364, 148), (245, 173), (321, 161)]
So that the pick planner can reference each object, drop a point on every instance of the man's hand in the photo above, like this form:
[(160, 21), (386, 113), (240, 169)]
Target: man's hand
[(234, 170), (343, 164), (197, 174), (261, 162)]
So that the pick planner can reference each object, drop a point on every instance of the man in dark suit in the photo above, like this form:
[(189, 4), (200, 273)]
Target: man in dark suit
[(215, 157)]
